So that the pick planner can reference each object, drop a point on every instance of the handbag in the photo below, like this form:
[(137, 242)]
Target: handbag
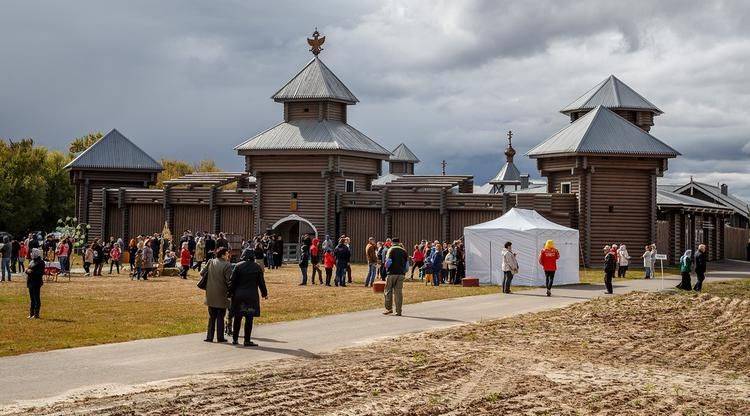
[(203, 283)]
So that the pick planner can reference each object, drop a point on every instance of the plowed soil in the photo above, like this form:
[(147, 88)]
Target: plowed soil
[(630, 355)]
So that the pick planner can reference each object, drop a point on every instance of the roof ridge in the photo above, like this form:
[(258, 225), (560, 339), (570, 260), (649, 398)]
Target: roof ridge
[(596, 112), (615, 84)]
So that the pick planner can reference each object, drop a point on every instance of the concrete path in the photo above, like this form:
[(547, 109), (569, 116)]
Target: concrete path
[(61, 372)]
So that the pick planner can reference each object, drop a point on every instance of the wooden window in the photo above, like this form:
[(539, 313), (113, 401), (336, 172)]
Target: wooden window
[(565, 188), (306, 110), (349, 185)]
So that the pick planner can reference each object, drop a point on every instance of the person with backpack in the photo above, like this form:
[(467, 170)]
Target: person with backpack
[(397, 262), (548, 259)]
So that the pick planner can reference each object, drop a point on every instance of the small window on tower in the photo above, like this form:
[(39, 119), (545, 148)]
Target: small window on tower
[(306, 110), (349, 185), (565, 188)]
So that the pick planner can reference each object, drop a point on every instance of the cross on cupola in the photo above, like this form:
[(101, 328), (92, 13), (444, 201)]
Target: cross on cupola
[(510, 151)]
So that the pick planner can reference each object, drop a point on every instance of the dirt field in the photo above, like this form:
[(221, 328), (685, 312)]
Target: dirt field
[(631, 355)]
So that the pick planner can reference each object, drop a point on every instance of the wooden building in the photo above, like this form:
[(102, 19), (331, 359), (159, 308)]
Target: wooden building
[(611, 163), (112, 162), (303, 163)]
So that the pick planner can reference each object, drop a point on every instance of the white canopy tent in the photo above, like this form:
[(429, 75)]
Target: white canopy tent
[(528, 231)]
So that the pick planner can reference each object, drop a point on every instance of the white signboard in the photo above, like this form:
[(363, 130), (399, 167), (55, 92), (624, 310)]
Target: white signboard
[(661, 257)]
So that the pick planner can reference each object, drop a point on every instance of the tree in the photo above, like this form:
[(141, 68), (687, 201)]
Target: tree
[(84, 142), (176, 168), (60, 198), (172, 169), (25, 184)]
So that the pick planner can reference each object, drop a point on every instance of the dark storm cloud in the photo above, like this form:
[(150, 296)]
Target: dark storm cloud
[(191, 79)]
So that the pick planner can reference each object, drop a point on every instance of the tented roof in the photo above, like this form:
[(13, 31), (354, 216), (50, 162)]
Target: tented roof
[(114, 151), (601, 131), (611, 93), (520, 220), (508, 175), (315, 82), (403, 154), (314, 135)]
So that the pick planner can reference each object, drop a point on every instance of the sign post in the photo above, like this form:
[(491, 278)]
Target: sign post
[(661, 258)]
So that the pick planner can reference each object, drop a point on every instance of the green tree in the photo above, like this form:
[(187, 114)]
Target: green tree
[(176, 168), (82, 143), (23, 187), (60, 198), (173, 169)]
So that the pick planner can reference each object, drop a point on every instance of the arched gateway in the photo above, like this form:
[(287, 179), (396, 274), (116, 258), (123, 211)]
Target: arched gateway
[(291, 229)]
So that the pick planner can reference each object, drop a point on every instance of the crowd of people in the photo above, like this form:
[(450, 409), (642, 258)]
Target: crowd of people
[(434, 262)]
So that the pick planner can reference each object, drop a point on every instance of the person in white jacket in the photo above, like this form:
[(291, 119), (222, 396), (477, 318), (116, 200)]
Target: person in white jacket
[(647, 264), (510, 266), (624, 260)]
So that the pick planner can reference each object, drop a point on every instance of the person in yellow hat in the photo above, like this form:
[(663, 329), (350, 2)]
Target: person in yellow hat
[(548, 259)]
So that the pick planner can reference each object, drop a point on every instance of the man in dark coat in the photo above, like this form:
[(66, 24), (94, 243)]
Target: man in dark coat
[(247, 279), (700, 267), (343, 256), (34, 282), (609, 269), (210, 247)]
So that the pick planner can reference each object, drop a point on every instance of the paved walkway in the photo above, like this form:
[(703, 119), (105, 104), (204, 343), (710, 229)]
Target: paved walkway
[(48, 374)]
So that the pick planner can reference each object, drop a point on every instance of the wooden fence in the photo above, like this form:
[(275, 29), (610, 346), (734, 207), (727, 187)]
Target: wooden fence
[(735, 242)]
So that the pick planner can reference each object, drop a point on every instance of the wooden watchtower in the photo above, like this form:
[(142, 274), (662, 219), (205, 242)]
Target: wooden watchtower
[(607, 157), (304, 161)]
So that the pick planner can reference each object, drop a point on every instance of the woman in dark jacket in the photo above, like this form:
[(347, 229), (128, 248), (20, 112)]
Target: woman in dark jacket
[(34, 282), (700, 267), (247, 279)]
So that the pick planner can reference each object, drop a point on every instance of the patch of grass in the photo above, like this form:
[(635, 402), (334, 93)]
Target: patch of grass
[(739, 288), (98, 310), (419, 358), (493, 397)]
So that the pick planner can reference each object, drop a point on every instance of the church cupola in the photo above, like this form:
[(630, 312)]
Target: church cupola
[(509, 178), (618, 97)]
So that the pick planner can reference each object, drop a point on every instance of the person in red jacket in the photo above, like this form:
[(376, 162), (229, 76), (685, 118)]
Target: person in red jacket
[(185, 260), (328, 263), (548, 259)]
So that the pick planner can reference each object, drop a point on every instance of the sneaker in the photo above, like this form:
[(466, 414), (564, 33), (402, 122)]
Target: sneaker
[(397, 314), (249, 344), (549, 293), (387, 312), (208, 340)]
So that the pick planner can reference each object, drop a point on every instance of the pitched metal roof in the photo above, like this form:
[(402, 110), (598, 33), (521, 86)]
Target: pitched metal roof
[(403, 154), (508, 175), (385, 179), (315, 82), (674, 199), (602, 131), (314, 135), (611, 93), (114, 151), (738, 205)]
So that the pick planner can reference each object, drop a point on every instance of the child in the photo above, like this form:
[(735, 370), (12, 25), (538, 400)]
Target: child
[(184, 260), (88, 258), (647, 262), (114, 257), (138, 263), (328, 262)]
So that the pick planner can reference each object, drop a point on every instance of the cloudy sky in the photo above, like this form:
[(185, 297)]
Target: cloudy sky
[(192, 79)]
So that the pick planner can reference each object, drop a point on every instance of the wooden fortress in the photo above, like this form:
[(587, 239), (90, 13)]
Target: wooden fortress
[(315, 173)]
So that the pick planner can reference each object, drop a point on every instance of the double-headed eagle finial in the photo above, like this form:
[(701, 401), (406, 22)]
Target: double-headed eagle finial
[(316, 42)]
